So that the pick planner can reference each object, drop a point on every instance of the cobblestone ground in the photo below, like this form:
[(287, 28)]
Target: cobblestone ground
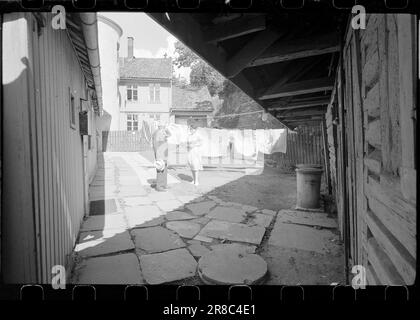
[(136, 235)]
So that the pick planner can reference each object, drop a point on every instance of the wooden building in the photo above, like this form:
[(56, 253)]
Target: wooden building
[(359, 85), (51, 93)]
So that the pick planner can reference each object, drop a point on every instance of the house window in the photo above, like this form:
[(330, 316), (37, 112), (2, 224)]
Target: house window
[(132, 122), (72, 110), (132, 94), (154, 116), (154, 89)]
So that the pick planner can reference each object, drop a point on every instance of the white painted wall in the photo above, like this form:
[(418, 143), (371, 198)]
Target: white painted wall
[(143, 106), (109, 35)]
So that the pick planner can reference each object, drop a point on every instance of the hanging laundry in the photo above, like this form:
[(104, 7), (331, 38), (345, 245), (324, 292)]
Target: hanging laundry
[(147, 132), (271, 140), (280, 136), (225, 141), (179, 133), (210, 142), (245, 143)]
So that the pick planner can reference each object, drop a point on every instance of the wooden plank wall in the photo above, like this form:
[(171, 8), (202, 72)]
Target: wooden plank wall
[(331, 127), (379, 64), (54, 179)]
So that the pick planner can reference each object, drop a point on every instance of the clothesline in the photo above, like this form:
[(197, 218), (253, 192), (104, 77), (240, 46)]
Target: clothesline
[(223, 116), (247, 142)]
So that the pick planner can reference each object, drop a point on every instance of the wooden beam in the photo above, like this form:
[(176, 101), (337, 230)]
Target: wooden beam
[(298, 48), (302, 105), (235, 28), (296, 88), (226, 17), (294, 121), (292, 74), (243, 84), (305, 113), (252, 49), (188, 30)]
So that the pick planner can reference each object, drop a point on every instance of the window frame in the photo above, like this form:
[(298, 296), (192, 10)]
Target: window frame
[(132, 118), (134, 93), (154, 92)]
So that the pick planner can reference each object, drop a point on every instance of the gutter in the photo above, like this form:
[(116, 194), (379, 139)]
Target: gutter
[(90, 33)]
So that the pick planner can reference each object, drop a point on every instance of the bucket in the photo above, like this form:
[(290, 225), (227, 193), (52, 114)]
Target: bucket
[(308, 187), (308, 165)]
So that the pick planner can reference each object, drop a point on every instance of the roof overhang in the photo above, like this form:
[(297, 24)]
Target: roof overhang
[(82, 29), (284, 61)]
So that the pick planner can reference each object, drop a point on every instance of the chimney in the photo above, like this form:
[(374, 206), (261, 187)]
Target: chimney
[(130, 47)]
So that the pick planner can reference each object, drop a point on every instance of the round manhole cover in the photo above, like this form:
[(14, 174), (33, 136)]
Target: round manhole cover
[(229, 267)]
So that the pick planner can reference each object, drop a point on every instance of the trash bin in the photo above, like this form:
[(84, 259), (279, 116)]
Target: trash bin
[(308, 165), (308, 178)]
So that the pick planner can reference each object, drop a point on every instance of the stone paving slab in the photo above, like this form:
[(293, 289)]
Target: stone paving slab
[(104, 222), (95, 243), (307, 218), (225, 267), (300, 237), (116, 269), (186, 199), (198, 250), (104, 207), (201, 220), (168, 266), (131, 191), (236, 247), (200, 208), (260, 219), (202, 238), (178, 215), (101, 196), (169, 205), (269, 212), (157, 196), (185, 229), (143, 216), (156, 239), (137, 201), (230, 214), (233, 231), (249, 209)]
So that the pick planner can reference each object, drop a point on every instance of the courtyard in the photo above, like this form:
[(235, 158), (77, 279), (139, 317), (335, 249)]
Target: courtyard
[(238, 226)]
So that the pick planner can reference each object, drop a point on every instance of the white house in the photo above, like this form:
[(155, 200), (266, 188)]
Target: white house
[(144, 89)]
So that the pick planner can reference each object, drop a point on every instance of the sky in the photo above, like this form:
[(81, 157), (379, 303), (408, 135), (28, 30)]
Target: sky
[(150, 39)]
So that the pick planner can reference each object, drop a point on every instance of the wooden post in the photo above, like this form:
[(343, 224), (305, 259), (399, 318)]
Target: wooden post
[(326, 156), (407, 48)]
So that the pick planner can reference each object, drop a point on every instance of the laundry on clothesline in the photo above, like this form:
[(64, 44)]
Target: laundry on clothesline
[(248, 142), (271, 140)]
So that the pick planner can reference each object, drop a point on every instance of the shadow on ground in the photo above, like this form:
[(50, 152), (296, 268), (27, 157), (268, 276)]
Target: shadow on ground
[(157, 237)]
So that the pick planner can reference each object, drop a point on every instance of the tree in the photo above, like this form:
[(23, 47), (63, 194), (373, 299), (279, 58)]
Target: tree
[(201, 73)]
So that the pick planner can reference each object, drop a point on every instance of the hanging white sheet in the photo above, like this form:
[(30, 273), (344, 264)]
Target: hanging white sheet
[(271, 140)]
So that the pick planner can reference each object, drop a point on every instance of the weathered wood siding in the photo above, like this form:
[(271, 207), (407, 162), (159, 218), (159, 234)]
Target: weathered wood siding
[(43, 155), (379, 211)]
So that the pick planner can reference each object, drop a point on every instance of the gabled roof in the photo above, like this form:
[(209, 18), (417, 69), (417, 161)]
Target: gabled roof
[(150, 68), (190, 98)]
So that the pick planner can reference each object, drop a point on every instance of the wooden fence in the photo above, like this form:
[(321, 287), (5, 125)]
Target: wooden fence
[(303, 146), (125, 141)]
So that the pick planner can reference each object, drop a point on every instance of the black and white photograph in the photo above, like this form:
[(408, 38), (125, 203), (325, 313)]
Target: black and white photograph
[(208, 148)]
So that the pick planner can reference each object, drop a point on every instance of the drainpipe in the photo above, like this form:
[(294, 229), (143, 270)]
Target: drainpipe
[(90, 33)]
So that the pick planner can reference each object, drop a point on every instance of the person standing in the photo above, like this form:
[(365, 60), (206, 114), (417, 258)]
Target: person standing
[(194, 143), (160, 148)]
